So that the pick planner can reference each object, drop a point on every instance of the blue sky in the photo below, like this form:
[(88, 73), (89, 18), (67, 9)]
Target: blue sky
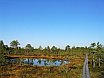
[(52, 22)]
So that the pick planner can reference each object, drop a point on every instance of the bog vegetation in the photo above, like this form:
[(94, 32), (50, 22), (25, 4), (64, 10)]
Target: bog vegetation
[(73, 54)]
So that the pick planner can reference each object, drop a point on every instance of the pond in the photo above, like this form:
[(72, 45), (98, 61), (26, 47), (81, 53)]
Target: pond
[(39, 61)]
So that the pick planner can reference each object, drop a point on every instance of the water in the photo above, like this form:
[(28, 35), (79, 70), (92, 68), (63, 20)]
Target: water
[(40, 61)]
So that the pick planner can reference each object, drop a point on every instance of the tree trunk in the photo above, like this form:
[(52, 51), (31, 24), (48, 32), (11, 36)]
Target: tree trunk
[(93, 62), (99, 61)]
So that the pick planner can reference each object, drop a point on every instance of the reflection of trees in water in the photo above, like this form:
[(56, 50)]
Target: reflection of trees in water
[(31, 61), (45, 62), (39, 61)]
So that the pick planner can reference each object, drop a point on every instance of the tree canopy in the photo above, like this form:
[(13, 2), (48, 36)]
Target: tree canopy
[(14, 44)]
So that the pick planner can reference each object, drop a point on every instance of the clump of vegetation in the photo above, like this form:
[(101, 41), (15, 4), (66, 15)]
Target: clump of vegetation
[(2, 53)]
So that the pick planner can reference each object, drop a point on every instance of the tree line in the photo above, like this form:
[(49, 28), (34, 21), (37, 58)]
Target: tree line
[(94, 49)]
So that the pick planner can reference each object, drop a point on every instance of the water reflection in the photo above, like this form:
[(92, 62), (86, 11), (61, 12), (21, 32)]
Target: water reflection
[(39, 62)]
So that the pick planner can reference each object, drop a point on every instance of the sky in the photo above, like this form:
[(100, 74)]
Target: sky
[(52, 22)]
